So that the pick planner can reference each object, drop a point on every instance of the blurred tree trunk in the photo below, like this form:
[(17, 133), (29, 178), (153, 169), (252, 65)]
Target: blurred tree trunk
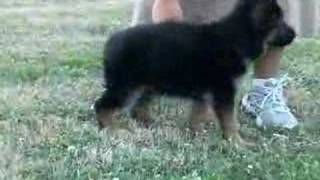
[(304, 15), (309, 19)]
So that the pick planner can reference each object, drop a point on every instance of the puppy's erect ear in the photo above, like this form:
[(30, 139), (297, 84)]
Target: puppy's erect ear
[(266, 14)]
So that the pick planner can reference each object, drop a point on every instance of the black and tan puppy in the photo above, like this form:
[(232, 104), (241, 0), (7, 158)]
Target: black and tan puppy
[(200, 62)]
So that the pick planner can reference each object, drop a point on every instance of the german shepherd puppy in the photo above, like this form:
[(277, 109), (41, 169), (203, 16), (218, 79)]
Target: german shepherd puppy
[(199, 62)]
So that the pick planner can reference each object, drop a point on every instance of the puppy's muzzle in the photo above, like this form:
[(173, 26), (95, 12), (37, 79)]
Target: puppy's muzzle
[(283, 36)]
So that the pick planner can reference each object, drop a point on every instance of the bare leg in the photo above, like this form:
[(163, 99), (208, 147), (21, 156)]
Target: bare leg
[(164, 10), (269, 64)]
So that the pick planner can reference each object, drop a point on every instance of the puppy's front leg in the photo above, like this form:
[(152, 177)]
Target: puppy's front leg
[(200, 113), (225, 111), (228, 121)]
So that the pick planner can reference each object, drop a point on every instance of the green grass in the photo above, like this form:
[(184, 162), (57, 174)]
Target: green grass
[(50, 74)]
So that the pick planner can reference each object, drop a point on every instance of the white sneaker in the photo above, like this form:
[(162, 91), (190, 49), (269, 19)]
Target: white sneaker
[(267, 103)]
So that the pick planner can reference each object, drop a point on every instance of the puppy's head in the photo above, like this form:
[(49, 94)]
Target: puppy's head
[(282, 36), (268, 19)]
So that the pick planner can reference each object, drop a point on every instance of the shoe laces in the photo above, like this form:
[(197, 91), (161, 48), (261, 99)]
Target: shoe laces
[(271, 96)]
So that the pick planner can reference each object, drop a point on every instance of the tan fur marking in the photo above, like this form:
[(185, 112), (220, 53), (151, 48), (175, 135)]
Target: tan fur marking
[(200, 113)]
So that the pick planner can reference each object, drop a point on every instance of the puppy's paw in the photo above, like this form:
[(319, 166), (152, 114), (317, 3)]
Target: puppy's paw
[(238, 141)]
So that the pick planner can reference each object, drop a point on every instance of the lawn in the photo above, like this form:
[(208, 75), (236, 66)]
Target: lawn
[(51, 73)]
